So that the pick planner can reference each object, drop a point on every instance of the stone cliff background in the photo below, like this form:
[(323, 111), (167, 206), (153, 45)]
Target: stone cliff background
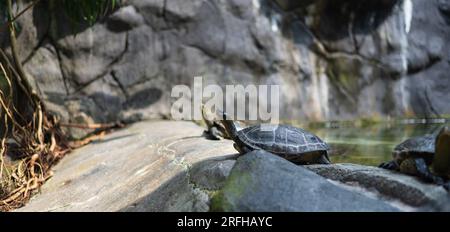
[(333, 60)]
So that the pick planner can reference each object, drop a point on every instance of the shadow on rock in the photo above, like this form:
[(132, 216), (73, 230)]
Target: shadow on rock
[(189, 191), (335, 20), (143, 98)]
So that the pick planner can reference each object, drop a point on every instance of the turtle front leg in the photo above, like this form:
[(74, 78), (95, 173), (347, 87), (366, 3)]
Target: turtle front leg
[(213, 134), (241, 150), (447, 186), (216, 134), (391, 165), (322, 159), (424, 172)]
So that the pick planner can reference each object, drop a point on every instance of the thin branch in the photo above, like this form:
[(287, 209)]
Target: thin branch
[(6, 24), (22, 75), (92, 126)]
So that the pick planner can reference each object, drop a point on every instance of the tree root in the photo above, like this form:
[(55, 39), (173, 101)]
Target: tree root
[(31, 140)]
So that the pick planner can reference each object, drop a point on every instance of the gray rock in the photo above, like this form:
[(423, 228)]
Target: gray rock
[(180, 10), (292, 4), (125, 19), (189, 191), (211, 175), (53, 88), (177, 195), (213, 29), (261, 181), (145, 167), (391, 185), (360, 59)]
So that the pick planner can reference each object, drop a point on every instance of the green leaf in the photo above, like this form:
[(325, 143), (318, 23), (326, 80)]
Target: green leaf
[(90, 11)]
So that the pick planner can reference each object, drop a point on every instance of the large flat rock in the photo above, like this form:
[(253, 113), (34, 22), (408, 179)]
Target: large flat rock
[(145, 167)]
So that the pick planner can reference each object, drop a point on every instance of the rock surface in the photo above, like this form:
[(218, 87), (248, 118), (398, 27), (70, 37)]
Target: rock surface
[(332, 59), (146, 167), (388, 184), (261, 181)]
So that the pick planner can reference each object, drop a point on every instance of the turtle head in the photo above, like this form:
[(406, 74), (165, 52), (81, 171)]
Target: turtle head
[(441, 162), (207, 121), (229, 124)]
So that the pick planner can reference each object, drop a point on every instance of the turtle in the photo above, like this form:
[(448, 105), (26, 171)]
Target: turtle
[(294, 144), (426, 156), (441, 161)]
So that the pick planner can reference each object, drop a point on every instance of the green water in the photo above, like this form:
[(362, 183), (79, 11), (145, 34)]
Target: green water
[(369, 145)]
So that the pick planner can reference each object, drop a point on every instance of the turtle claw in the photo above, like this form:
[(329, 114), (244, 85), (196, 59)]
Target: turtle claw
[(323, 159), (210, 136), (391, 165), (426, 175), (447, 186), (213, 134)]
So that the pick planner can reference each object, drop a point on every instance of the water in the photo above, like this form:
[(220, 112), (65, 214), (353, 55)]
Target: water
[(368, 145)]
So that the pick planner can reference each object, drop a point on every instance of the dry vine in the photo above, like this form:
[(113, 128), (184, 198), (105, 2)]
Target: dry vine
[(31, 139), (31, 142)]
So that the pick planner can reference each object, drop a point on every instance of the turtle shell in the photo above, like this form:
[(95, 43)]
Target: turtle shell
[(281, 139), (421, 146)]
